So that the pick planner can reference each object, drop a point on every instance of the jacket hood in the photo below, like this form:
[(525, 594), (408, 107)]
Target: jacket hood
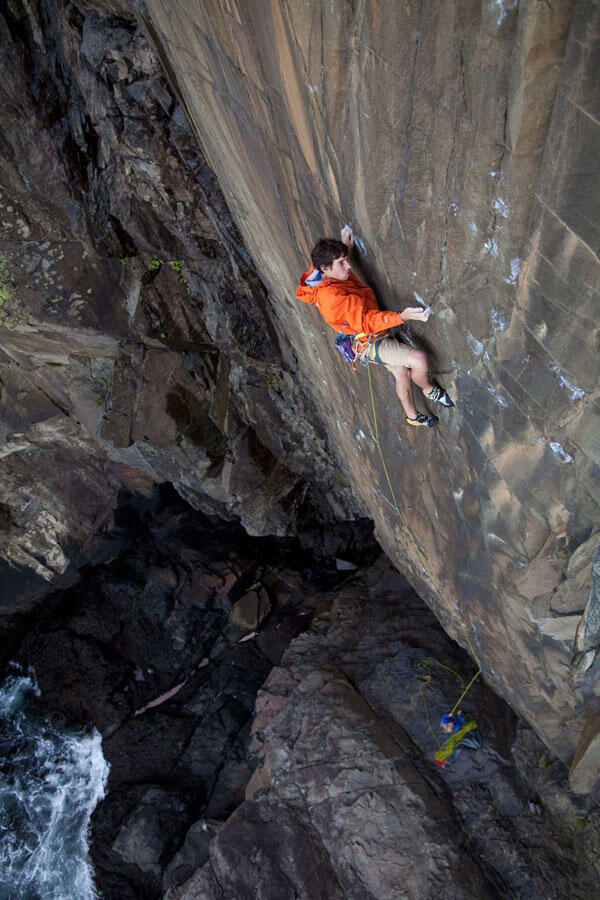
[(315, 278)]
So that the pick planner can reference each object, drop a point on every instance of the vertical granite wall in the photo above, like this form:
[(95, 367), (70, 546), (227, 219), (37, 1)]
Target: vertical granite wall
[(461, 140)]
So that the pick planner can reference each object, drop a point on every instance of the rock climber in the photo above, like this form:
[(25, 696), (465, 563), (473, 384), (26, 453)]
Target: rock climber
[(462, 733), (351, 309), (451, 723)]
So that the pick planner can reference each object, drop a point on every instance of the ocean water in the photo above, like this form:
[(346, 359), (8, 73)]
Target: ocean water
[(50, 783)]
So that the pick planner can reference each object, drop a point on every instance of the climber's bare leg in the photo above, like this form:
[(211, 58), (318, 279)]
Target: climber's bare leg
[(404, 390), (418, 369)]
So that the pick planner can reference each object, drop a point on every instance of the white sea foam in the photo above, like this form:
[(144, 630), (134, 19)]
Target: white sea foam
[(51, 781)]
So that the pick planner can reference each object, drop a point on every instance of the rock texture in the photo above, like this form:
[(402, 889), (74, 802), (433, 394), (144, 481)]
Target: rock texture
[(137, 343), (344, 804), (460, 139), (139, 346)]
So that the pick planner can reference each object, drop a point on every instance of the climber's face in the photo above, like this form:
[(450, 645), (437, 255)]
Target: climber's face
[(339, 268)]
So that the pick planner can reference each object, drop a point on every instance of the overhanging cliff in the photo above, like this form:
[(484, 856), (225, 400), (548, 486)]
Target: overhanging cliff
[(461, 139), (136, 342)]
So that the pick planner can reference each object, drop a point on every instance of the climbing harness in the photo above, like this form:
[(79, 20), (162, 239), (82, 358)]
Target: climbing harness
[(359, 348), (365, 346)]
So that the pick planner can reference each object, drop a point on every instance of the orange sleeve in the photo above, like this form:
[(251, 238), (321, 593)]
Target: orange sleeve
[(306, 294)]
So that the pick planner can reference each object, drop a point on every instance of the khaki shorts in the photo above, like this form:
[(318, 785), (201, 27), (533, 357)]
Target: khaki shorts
[(391, 352)]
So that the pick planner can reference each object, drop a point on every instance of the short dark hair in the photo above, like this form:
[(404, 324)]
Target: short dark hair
[(326, 251)]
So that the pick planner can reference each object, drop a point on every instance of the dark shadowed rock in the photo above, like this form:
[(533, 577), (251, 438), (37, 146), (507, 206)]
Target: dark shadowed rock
[(145, 651), (156, 823), (193, 854), (345, 813)]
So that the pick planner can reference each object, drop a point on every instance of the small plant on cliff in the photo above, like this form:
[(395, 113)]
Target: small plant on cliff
[(11, 313), (272, 380), (6, 281), (177, 266)]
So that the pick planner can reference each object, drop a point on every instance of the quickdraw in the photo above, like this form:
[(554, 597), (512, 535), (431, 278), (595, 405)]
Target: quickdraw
[(364, 346)]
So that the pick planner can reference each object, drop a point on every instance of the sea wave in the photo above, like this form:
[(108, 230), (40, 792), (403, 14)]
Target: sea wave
[(51, 780)]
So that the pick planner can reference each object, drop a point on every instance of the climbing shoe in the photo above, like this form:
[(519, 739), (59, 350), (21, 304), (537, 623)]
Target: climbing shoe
[(422, 419), (439, 395)]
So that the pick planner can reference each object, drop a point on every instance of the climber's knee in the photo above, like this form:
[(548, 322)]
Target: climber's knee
[(400, 373), (418, 360)]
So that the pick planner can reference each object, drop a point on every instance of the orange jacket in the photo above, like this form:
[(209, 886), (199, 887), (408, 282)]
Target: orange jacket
[(347, 306)]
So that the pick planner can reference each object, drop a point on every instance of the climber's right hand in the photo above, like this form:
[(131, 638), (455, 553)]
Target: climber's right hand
[(415, 314), (347, 236)]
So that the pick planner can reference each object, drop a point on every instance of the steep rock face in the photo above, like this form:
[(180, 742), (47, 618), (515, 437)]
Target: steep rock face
[(137, 344), (458, 138)]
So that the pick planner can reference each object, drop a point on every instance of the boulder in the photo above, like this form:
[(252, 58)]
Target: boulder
[(250, 610), (345, 813), (152, 829)]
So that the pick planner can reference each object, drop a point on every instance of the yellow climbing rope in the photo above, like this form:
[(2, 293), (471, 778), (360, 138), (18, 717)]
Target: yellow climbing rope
[(426, 678), (421, 555), (466, 690), (389, 481), (473, 679)]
